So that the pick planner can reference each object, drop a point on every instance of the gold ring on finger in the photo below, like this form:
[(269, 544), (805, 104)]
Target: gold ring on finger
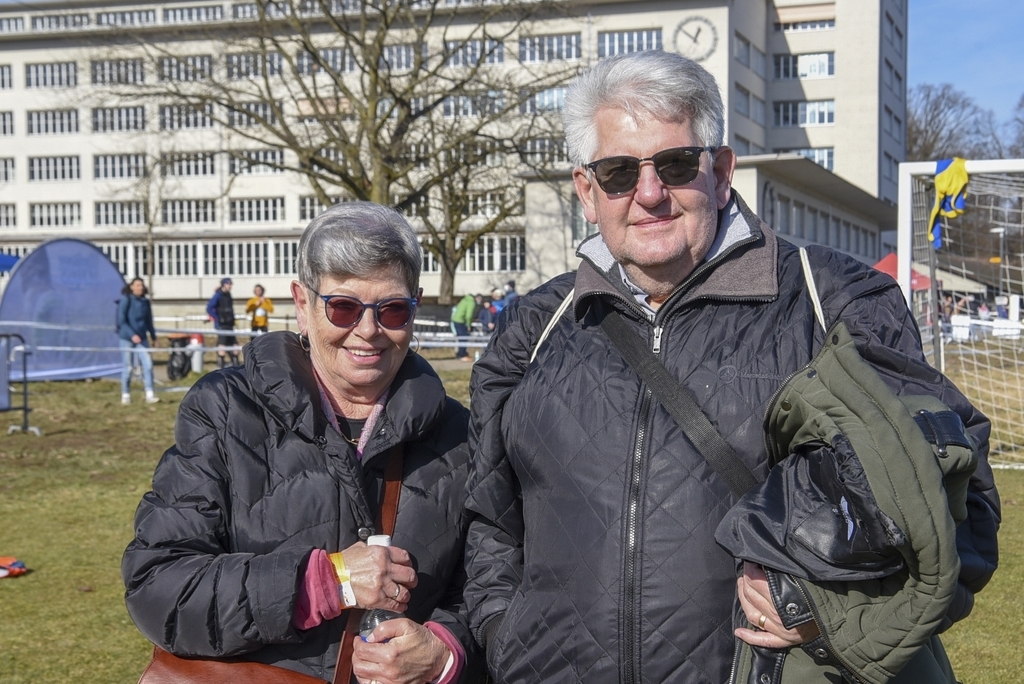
[(764, 619)]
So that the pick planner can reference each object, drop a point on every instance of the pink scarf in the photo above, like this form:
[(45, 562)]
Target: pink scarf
[(371, 420)]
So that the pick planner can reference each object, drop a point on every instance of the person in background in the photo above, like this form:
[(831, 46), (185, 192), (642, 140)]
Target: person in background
[(252, 545), (510, 293), (487, 314), (134, 323), (498, 300), (260, 307), (462, 320), (221, 310)]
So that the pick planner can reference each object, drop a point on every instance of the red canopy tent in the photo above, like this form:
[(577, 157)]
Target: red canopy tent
[(918, 281)]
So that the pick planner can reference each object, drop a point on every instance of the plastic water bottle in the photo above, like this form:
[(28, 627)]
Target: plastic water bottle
[(375, 616)]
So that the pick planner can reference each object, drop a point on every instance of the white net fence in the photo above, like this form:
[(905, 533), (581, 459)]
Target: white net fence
[(966, 295)]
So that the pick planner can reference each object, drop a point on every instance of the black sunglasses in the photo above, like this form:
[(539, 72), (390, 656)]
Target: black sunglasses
[(674, 166), (344, 311)]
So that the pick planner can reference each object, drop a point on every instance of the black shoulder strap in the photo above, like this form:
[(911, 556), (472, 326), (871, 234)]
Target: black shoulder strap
[(678, 402)]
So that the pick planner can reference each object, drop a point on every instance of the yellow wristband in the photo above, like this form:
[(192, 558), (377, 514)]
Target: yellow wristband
[(348, 597)]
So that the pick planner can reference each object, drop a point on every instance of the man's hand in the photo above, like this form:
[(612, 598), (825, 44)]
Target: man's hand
[(766, 626)]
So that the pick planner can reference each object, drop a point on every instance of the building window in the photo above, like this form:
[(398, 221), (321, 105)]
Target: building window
[(430, 262), (120, 214), (245, 258), (6, 80), (185, 117), (187, 164), (784, 216), (462, 53), (6, 123), (741, 50), (890, 168), (12, 24), (256, 162), (253, 65), (544, 151), (191, 68), (611, 43), (463, 106), (336, 60), (742, 100), (53, 121), (177, 259), (550, 48), (550, 100), (118, 119), (118, 71), (258, 210), (53, 168), (893, 34), (176, 212), (796, 26), (119, 166), (310, 207), (193, 15), (501, 253), (400, 57), (252, 113), (741, 145), (757, 110), (58, 22), (272, 10), (64, 214), (52, 75), (893, 80), (822, 156), (129, 18), (7, 170), (802, 114), (813, 65), (8, 217)]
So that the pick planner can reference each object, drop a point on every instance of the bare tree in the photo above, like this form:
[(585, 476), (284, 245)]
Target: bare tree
[(410, 103), (943, 122), (1015, 137)]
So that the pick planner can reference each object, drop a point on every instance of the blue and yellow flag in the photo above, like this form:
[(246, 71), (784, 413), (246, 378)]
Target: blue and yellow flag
[(950, 195)]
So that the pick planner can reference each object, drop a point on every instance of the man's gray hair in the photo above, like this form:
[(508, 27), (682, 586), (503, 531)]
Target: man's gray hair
[(360, 239), (662, 85)]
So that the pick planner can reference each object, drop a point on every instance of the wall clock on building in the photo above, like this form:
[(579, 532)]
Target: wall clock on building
[(696, 38)]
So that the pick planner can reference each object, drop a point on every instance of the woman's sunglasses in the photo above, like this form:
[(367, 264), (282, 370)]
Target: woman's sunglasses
[(344, 311), (674, 166)]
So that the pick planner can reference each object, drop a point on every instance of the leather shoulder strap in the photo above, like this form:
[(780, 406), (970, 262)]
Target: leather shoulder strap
[(386, 525), (680, 405)]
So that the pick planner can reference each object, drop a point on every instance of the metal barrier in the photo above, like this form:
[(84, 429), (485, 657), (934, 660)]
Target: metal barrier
[(5, 382)]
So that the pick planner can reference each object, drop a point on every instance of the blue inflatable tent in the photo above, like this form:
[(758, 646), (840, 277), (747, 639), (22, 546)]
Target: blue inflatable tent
[(61, 299)]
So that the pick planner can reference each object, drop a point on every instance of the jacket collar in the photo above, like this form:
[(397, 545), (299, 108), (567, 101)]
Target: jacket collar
[(741, 264), (282, 380)]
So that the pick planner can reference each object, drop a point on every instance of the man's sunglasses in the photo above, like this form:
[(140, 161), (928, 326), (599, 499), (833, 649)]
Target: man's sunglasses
[(344, 311), (674, 166)]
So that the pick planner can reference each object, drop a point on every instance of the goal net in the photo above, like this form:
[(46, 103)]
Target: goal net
[(966, 294)]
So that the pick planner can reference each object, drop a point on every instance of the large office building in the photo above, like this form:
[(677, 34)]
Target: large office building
[(815, 94)]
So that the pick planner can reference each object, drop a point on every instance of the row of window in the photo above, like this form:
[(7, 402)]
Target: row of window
[(177, 165), (816, 225), (179, 212), (491, 253), (62, 121)]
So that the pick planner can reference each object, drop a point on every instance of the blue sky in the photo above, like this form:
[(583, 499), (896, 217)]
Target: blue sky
[(973, 44)]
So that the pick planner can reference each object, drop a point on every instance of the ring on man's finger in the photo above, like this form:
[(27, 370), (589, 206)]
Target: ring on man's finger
[(398, 590), (764, 619)]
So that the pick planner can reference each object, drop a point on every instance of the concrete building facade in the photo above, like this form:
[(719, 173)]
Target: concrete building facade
[(815, 94)]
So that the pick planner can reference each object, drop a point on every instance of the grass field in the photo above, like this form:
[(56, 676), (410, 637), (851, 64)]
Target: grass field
[(66, 506)]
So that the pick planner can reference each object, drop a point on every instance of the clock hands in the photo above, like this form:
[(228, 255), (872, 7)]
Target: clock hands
[(695, 36)]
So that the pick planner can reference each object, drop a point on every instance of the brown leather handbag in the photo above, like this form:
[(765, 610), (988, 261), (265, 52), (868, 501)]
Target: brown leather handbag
[(166, 668)]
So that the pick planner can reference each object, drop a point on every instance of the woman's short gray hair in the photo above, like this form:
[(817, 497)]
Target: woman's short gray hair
[(359, 239), (662, 85)]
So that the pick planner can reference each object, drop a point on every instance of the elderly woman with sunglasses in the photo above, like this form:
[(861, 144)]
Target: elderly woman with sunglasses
[(252, 545)]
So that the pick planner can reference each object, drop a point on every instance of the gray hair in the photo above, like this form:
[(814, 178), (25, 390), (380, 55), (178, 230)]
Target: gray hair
[(662, 85), (358, 239)]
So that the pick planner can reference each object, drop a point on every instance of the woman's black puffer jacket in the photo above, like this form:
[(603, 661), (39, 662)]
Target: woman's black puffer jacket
[(257, 479)]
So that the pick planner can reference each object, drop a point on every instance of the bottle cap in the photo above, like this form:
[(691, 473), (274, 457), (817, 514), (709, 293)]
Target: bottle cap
[(379, 540)]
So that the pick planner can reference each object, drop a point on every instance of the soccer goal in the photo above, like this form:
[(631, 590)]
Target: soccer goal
[(966, 294)]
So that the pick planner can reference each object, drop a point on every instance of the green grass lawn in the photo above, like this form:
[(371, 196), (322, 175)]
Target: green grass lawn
[(66, 506)]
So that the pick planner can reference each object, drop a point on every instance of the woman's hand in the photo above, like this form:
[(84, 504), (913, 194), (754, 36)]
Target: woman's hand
[(756, 601), (401, 652), (382, 576)]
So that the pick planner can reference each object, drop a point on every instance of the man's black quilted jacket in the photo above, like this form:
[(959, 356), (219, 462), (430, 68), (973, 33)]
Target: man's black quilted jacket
[(591, 555)]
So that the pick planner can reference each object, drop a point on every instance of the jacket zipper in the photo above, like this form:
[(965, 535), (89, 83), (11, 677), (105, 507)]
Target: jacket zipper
[(631, 612), (821, 630)]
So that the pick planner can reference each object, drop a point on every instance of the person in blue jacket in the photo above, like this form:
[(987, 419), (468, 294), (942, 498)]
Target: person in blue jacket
[(134, 323)]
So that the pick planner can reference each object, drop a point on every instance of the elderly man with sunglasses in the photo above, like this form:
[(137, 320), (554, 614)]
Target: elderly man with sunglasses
[(252, 544), (592, 553)]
